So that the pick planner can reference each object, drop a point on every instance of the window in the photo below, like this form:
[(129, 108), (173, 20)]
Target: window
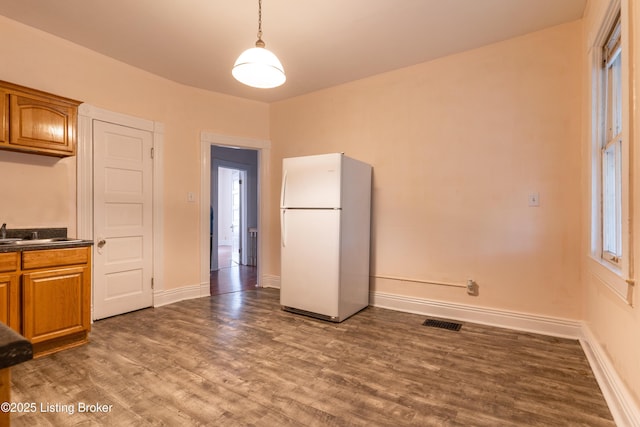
[(611, 150), (612, 237)]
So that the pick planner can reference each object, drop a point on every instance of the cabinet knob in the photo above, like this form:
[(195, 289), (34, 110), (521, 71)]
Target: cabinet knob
[(101, 243)]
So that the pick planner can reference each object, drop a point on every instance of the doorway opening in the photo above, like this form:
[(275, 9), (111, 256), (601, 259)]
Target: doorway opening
[(233, 221), (232, 217)]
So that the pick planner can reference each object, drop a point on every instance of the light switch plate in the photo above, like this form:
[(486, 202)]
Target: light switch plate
[(534, 199)]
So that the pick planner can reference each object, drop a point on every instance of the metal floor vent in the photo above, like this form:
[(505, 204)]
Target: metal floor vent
[(452, 326)]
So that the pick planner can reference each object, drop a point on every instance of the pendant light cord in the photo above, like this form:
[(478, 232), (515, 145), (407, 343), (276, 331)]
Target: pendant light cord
[(260, 20)]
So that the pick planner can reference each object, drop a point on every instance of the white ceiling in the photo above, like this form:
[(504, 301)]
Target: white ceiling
[(321, 43)]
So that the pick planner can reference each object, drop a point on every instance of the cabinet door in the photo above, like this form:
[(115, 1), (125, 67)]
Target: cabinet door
[(42, 125), (9, 300), (9, 295), (56, 303), (4, 116)]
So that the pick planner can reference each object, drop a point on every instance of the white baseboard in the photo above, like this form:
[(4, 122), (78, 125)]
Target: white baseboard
[(623, 408), (270, 281), (170, 296), (621, 404), (487, 316)]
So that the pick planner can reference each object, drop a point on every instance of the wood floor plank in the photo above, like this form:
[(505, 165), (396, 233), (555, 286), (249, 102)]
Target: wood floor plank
[(237, 360)]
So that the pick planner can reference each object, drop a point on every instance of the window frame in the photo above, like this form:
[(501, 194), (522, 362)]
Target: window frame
[(611, 141), (617, 274)]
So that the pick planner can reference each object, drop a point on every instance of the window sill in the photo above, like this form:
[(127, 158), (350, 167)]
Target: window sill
[(612, 277)]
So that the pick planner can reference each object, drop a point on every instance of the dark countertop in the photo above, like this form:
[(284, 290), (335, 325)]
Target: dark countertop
[(42, 233), (14, 348)]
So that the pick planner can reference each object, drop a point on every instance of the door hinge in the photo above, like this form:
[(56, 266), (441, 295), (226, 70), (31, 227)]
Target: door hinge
[(152, 152), (152, 284)]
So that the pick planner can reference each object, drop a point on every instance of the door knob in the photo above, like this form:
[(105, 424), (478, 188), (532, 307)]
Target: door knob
[(101, 243)]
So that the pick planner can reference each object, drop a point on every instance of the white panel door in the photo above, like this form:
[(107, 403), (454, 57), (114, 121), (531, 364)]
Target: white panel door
[(310, 251), (123, 258)]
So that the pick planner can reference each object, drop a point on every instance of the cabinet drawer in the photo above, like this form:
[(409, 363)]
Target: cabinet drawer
[(54, 258), (9, 261)]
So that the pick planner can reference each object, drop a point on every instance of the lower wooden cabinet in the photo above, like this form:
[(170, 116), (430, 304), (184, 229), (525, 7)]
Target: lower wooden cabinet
[(10, 301), (56, 306), (9, 290), (45, 295)]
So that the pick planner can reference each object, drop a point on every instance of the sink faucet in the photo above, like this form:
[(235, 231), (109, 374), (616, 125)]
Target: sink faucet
[(3, 231)]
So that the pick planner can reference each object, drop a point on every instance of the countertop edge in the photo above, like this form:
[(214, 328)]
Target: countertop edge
[(56, 245), (14, 348)]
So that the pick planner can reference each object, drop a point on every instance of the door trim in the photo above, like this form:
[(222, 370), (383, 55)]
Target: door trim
[(243, 168), (84, 181), (207, 139)]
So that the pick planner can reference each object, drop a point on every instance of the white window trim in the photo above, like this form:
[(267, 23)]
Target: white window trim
[(619, 278)]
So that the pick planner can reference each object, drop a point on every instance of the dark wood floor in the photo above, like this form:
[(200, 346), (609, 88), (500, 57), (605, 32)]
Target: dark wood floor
[(236, 359), (231, 277)]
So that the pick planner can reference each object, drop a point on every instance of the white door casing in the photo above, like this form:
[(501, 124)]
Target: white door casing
[(207, 139), (123, 219), (230, 200), (230, 216)]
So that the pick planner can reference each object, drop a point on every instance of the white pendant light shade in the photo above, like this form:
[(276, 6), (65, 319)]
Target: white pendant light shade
[(260, 68)]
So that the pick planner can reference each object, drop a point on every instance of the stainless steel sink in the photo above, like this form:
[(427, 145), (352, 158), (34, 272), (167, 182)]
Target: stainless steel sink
[(8, 241), (46, 241)]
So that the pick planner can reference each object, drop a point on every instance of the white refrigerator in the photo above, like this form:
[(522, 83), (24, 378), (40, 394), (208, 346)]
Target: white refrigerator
[(325, 220)]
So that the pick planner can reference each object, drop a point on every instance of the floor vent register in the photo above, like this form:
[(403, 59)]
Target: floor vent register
[(452, 326)]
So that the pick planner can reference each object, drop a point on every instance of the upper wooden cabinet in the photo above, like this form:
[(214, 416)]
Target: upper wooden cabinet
[(4, 116), (37, 122)]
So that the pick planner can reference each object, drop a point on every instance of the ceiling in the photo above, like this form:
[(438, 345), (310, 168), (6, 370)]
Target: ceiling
[(321, 43)]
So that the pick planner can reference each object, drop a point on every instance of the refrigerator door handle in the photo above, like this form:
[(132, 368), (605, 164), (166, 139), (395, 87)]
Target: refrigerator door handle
[(283, 233), (283, 189)]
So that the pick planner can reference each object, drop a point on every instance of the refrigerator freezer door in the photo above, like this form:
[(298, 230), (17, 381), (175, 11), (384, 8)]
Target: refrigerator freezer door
[(311, 181), (310, 251)]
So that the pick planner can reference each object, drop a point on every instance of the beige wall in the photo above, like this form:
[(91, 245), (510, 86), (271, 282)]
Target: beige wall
[(614, 323), (40, 191), (456, 145)]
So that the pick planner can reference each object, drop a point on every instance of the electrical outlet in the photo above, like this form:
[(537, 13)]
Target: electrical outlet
[(534, 199), (471, 287)]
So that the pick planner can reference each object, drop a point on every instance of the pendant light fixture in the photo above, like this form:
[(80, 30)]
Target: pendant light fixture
[(259, 67)]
